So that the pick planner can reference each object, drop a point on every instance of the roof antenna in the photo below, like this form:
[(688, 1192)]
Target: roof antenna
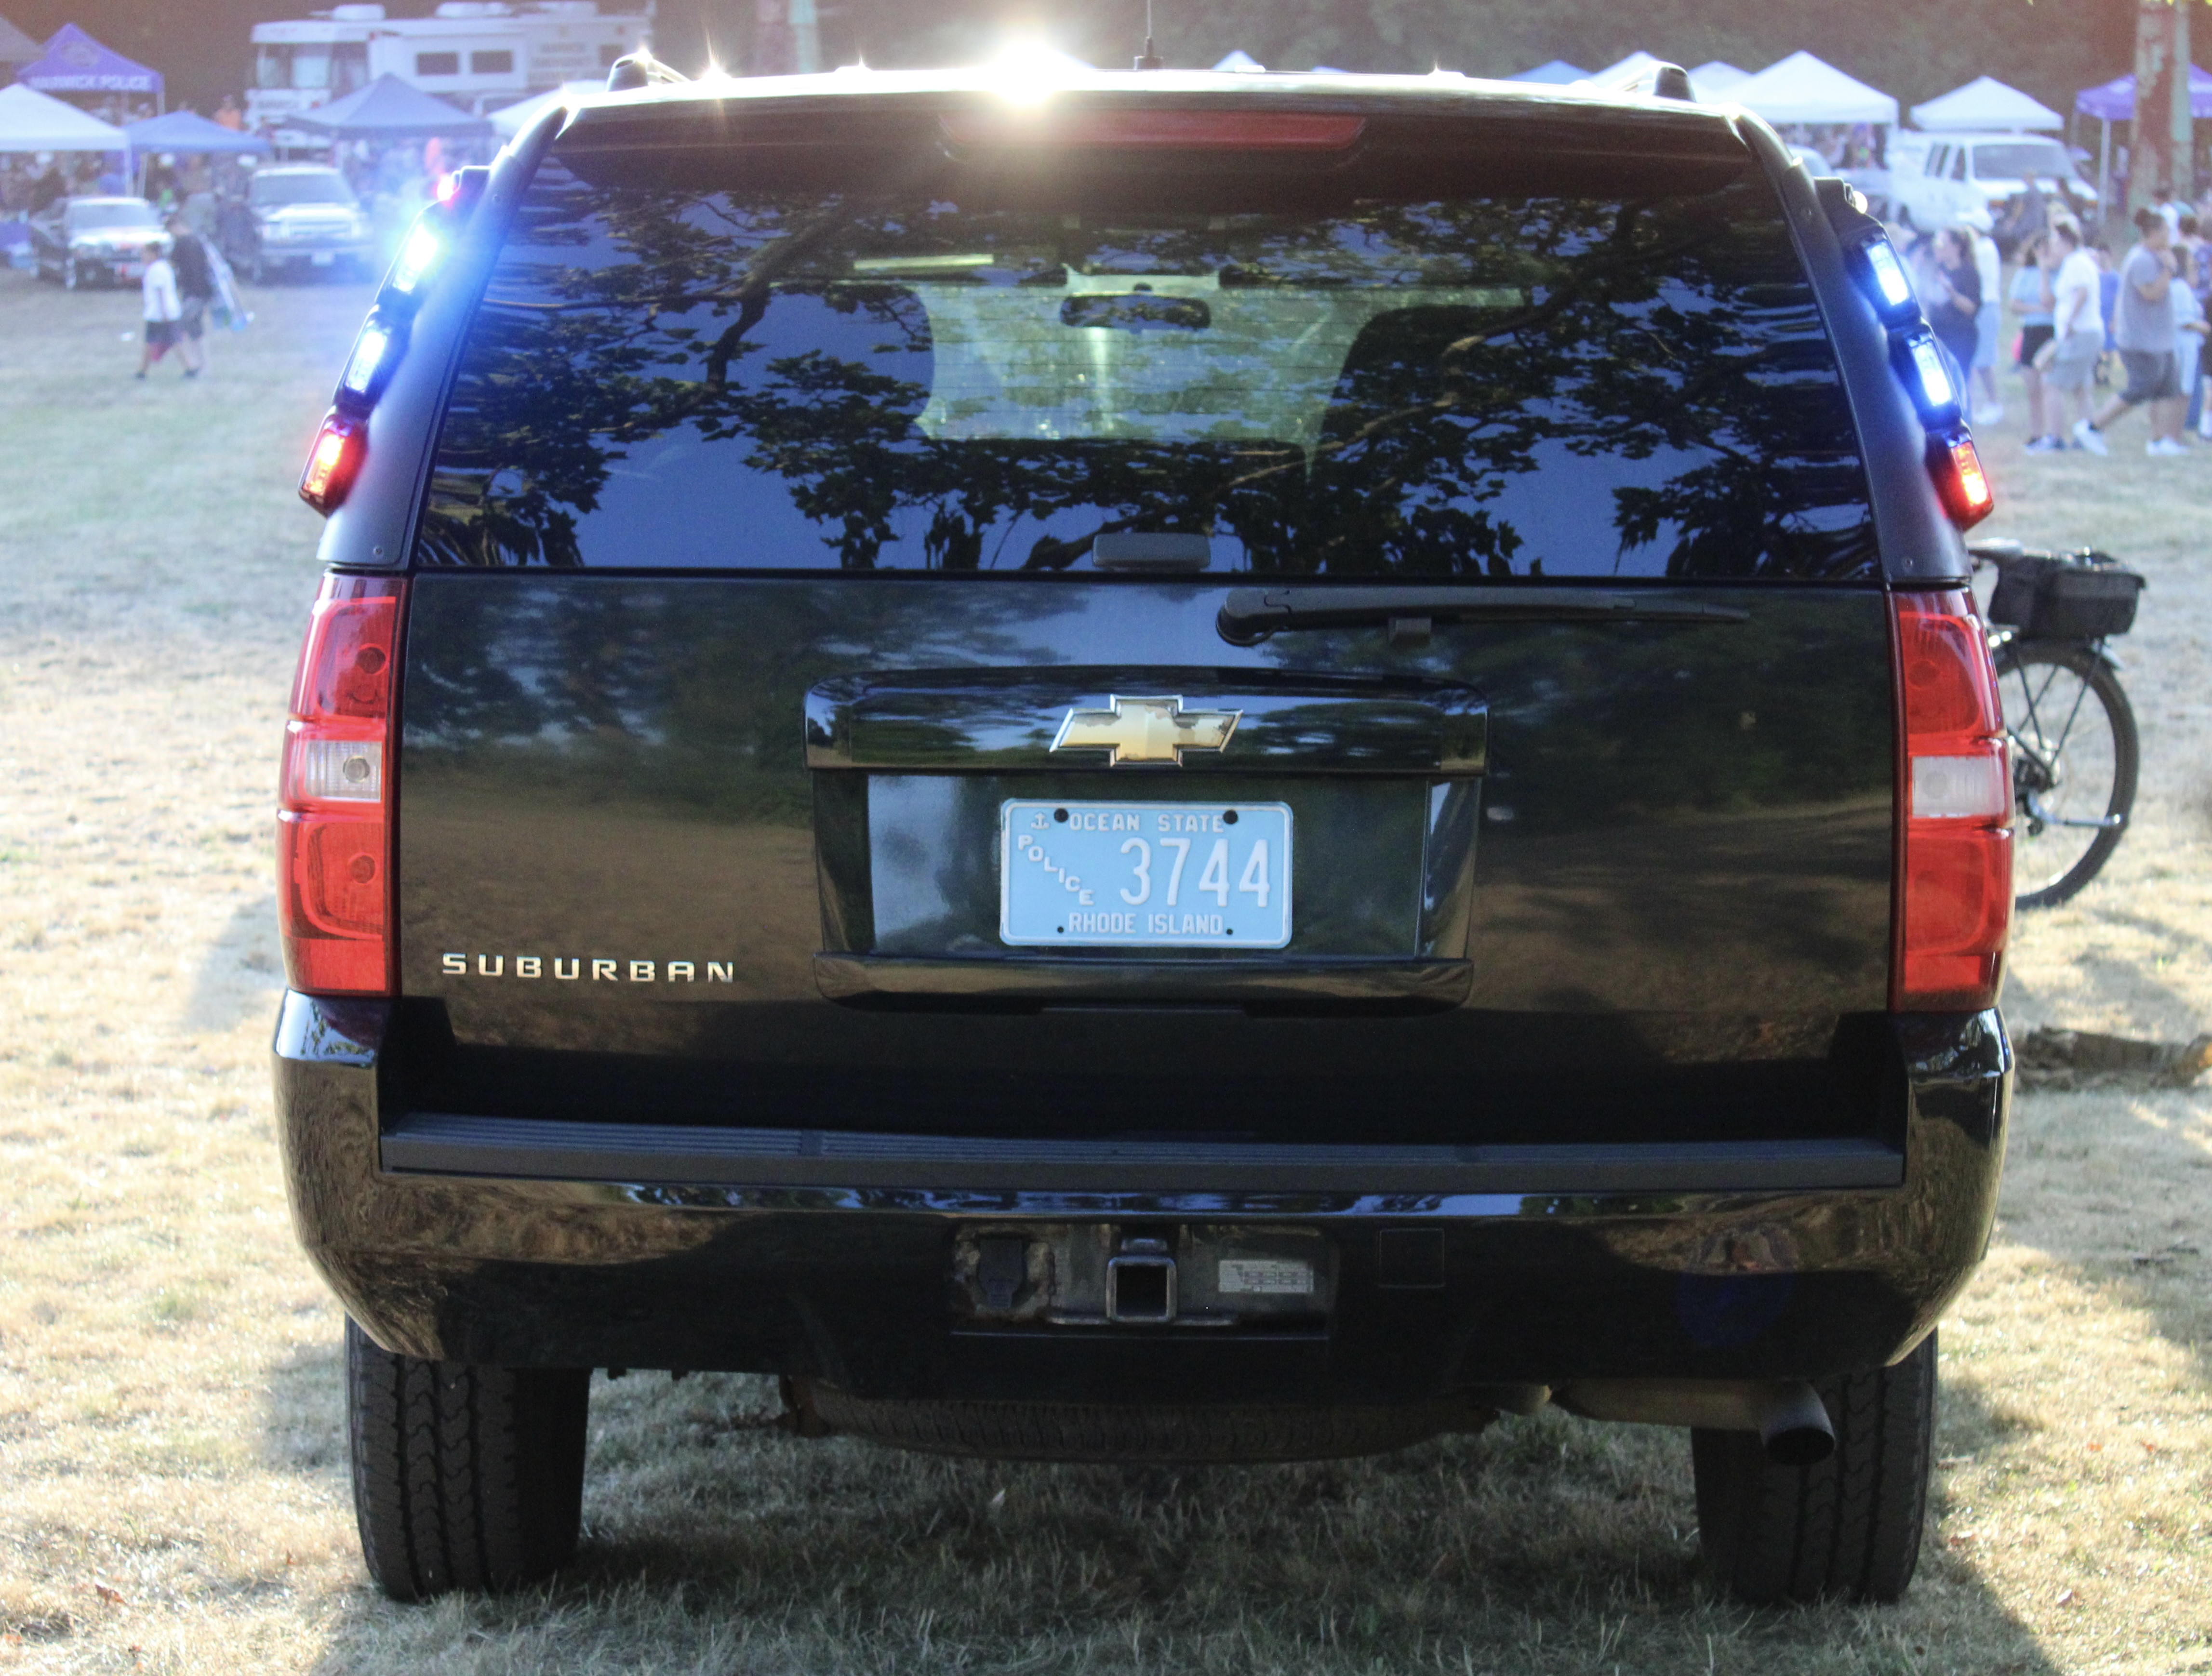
[(1149, 59)]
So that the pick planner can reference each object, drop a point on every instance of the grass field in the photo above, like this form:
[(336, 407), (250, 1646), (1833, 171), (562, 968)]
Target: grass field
[(172, 1486)]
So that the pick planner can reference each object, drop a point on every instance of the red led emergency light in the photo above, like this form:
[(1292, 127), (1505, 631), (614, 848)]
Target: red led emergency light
[(1155, 130), (1960, 482), (333, 463)]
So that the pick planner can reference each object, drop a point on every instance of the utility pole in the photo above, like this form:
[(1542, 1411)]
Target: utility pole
[(2161, 146)]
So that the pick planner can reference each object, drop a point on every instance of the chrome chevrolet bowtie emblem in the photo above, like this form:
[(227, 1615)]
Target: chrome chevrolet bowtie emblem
[(1145, 730)]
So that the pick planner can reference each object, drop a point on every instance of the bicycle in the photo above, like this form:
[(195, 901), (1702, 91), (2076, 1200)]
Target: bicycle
[(2074, 749)]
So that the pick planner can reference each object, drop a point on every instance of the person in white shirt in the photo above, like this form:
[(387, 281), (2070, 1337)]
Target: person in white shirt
[(1989, 264), (2069, 361), (2189, 328), (163, 309)]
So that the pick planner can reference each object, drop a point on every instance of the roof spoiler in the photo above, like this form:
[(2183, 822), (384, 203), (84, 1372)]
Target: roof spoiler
[(639, 69)]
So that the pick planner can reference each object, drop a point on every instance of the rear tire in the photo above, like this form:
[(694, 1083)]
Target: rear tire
[(1846, 1529), (463, 1477)]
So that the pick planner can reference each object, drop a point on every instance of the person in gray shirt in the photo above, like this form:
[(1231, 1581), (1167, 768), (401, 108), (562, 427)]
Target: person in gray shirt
[(2144, 332)]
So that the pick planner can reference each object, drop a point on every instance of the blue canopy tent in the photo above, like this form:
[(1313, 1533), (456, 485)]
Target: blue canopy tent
[(189, 133), (77, 63), (2115, 101), (390, 109)]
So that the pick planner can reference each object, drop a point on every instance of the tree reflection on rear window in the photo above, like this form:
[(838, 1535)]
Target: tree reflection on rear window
[(947, 377)]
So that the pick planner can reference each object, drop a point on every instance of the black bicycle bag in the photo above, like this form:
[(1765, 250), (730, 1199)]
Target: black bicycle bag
[(2081, 596)]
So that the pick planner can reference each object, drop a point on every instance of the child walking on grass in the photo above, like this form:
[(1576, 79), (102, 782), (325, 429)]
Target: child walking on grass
[(163, 309)]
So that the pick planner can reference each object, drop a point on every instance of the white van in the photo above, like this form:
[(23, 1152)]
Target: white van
[(1938, 179)]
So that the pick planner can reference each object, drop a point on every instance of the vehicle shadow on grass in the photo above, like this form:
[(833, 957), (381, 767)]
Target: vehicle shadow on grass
[(2116, 1185), (1545, 1544), (241, 971), (303, 1409)]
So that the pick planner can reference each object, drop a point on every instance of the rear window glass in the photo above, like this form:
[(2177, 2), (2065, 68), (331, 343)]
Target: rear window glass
[(940, 373)]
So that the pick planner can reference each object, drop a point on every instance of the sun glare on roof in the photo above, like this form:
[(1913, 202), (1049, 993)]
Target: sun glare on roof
[(1026, 72)]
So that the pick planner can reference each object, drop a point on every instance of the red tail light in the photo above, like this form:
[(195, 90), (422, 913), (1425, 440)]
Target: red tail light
[(1158, 131), (1955, 861), (334, 794)]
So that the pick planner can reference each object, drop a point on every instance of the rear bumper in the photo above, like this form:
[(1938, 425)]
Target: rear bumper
[(316, 250), (830, 1254)]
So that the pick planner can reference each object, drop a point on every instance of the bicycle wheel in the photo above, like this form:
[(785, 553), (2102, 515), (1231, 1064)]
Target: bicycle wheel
[(2074, 759)]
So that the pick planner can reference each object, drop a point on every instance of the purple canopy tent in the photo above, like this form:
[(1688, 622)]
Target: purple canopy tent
[(75, 63), (2115, 101)]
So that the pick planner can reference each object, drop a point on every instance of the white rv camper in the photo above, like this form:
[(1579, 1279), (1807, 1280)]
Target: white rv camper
[(478, 54)]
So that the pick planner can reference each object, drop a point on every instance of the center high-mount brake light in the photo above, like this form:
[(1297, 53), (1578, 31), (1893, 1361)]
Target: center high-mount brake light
[(1156, 130), (334, 794), (1954, 851)]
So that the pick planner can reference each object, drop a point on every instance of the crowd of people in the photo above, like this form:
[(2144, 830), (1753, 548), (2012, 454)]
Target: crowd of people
[(2077, 306)]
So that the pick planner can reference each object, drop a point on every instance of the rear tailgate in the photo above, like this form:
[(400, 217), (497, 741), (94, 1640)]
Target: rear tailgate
[(1459, 587)]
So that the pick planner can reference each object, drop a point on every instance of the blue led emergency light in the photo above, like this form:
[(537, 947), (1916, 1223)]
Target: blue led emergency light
[(1881, 274), (418, 256), (371, 349), (1920, 364), (1892, 288)]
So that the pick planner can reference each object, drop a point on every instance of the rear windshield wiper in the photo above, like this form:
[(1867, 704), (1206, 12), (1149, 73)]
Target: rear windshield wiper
[(1250, 615)]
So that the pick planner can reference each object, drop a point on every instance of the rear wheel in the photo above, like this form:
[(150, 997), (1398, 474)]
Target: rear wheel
[(2074, 758), (463, 1477), (1847, 1528)]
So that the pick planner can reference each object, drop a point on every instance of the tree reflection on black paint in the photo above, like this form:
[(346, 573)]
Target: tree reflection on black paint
[(776, 340)]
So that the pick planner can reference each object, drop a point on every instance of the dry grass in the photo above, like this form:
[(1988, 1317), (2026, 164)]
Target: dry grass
[(172, 1493)]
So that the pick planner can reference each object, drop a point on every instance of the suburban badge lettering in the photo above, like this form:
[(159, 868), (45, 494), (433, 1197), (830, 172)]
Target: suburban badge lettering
[(568, 969)]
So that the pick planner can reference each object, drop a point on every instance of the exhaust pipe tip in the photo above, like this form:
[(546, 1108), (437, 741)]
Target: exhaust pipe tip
[(1794, 1429)]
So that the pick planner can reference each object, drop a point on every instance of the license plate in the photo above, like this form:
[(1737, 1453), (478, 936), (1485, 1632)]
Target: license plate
[(321, 258), (1145, 875)]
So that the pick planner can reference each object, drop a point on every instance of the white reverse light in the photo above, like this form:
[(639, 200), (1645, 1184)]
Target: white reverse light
[(1959, 788), (342, 770)]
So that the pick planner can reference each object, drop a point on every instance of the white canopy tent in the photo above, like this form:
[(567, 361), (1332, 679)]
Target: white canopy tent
[(1238, 61), (1634, 64), (1803, 89), (1988, 104), (512, 119), (1555, 73), (33, 121), (1717, 79)]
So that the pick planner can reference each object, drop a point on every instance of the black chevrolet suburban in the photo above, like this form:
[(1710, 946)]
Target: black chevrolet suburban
[(1160, 767)]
